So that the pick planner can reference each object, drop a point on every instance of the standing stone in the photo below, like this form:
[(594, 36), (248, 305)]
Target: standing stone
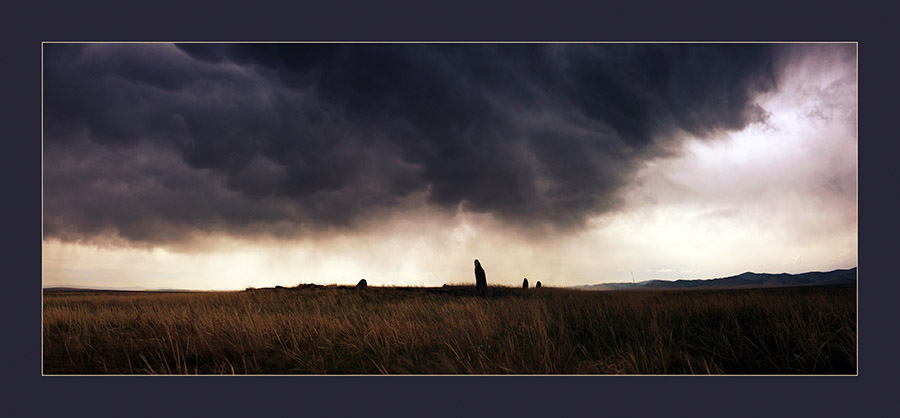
[(525, 283), (537, 285), (362, 284), (480, 280)]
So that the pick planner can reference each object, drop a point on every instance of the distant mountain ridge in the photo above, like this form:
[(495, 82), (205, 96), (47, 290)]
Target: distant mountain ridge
[(744, 280)]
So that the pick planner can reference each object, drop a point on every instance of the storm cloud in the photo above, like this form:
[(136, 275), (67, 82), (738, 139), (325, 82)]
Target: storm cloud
[(150, 144)]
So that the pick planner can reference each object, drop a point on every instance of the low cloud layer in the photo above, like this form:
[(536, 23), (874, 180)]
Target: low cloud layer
[(154, 144)]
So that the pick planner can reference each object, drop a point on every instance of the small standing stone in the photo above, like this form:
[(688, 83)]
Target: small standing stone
[(537, 285), (362, 284), (525, 283), (480, 280)]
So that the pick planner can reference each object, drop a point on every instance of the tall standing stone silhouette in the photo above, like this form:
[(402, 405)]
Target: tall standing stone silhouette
[(537, 285), (362, 284), (480, 280), (525, 283)]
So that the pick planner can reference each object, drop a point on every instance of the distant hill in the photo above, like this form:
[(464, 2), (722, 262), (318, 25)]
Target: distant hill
[(745, 280)]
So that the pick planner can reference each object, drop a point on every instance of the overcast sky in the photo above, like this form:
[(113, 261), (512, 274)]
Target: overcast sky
[(223, 166)]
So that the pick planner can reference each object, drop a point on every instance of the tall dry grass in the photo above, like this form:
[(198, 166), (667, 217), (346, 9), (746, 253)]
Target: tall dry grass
[(335, 330)]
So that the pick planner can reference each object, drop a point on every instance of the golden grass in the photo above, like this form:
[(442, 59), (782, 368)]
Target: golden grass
[(334, 330)]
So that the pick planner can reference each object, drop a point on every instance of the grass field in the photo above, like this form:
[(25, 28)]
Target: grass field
[(337, 330)]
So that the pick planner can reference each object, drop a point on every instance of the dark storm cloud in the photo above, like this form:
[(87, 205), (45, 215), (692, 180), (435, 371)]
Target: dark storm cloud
[(152, 143)]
